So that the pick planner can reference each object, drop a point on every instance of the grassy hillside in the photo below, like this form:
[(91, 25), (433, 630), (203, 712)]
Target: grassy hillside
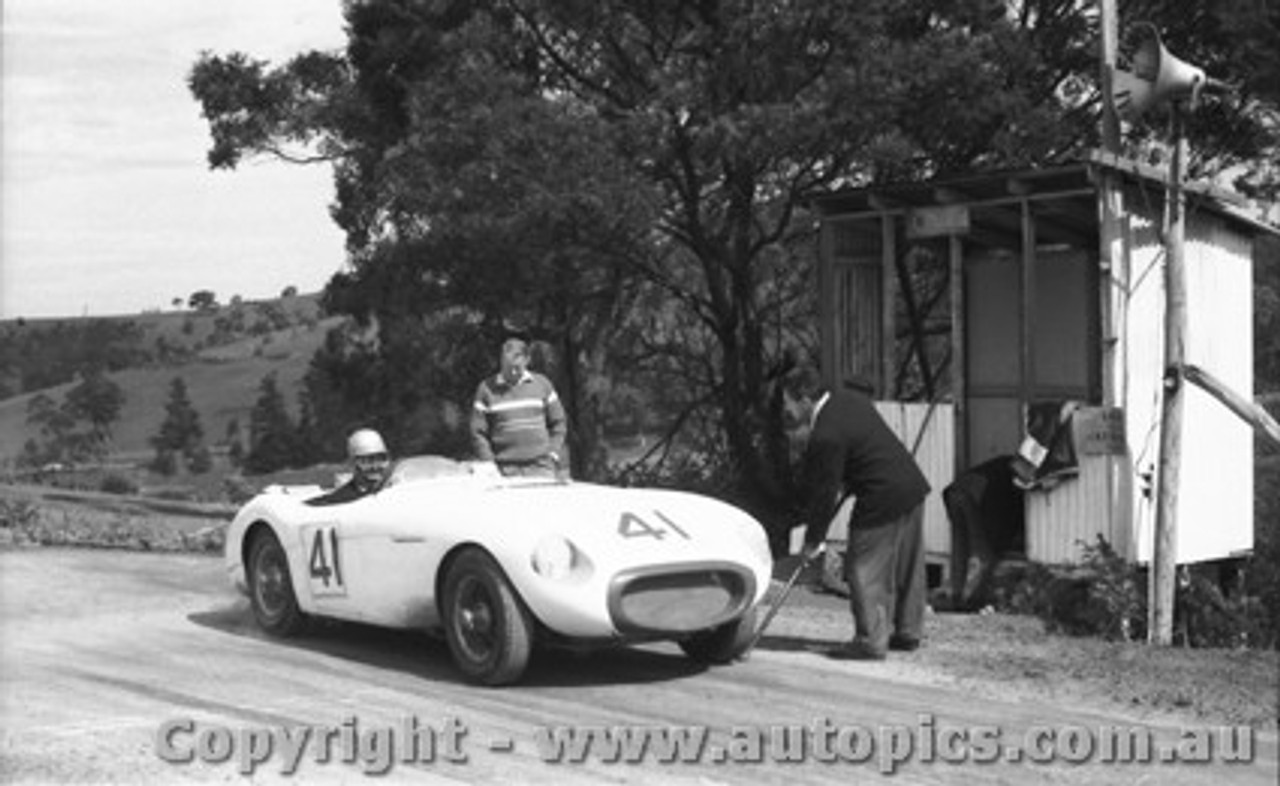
[(223, 357)]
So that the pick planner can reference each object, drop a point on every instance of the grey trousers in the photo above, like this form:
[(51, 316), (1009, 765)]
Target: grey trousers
[(886, 573)]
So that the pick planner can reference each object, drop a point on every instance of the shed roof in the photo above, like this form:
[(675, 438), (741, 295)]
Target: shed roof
[(1073, 184)]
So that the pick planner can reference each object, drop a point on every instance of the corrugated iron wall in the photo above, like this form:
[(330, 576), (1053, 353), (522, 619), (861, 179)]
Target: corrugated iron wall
[(1144, 347), (1061, 520), (1215, 499), (934, 453), (1215, 495)]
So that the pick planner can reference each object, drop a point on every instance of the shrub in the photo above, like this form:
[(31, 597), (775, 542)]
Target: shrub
[(201, 460), (115, 483), (1104, 596), (238, 490), (17, 514), (1262, 570), (176, 494), (1117, 596), (165, 462)]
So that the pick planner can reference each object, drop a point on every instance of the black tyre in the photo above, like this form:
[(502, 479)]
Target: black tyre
[(724, 644), (271, 594), (489, 631)]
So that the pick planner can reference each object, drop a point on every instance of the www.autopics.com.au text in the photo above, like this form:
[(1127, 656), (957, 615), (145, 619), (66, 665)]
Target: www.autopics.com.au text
[(377, 749)]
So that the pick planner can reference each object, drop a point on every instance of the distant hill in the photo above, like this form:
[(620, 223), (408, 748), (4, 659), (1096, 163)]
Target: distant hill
[(222, 354)]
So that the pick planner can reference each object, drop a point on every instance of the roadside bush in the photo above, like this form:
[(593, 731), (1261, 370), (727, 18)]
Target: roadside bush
[(201, 460), (1103, 596), (177, 494), (165, 462), (115, 483), (1262, 571), (1106, 596), (1117, 597), (17, 514), (237, 490)]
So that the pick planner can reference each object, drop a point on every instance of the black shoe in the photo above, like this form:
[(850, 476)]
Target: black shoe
[(904, 643), (855, 650)]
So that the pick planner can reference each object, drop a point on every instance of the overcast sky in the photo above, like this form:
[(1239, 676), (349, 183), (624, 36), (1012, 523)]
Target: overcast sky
[(108, 205)]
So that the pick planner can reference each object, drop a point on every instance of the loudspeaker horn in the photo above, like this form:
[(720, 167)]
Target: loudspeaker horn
[(1155, 76)]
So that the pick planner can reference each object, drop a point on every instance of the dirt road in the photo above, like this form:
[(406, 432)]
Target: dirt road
[(114, 662)]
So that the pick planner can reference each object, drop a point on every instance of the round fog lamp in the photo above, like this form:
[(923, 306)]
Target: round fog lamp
[(553, 558)]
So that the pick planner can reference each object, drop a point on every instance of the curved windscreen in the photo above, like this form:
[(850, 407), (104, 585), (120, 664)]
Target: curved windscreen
[(426, 468)]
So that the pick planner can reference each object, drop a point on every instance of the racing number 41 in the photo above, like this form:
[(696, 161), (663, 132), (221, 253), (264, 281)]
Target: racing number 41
[(324, 563), (633, 526)]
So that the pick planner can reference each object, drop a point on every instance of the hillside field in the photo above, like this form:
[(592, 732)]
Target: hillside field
[(222, 379)]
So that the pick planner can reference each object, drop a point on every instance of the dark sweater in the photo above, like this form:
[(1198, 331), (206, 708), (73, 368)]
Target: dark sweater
[(852, 450)]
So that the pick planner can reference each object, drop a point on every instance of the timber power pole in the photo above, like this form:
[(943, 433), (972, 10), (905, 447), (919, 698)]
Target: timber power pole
[(1164, 558)]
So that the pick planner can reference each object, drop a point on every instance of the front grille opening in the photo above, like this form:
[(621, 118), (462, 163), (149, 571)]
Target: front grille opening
[(679, 602)]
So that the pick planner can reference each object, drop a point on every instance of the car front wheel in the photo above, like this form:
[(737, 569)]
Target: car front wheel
[(275, 605), (489, 631), (723, 644)]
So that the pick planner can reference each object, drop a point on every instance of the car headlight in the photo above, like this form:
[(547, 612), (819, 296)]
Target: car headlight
[(553, 557)]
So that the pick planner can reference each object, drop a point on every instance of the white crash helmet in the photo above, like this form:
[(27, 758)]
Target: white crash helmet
[(365, 442)]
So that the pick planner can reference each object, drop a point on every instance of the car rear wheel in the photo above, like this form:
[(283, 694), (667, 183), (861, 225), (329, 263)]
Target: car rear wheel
[(275, 605), (723, 644), (489, 631)]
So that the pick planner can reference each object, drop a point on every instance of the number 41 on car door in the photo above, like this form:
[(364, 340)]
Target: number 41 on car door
[(322, 546)]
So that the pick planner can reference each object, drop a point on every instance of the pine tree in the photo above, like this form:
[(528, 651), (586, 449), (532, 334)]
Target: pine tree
[(271, 432), (235, 445), (180, 434), (306, 446)]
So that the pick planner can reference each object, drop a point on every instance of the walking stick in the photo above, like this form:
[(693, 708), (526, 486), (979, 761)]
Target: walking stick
[(782, 597)]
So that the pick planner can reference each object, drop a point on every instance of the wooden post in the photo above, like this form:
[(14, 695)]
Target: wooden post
[(829, 331), (959, 361), (888, 305), (1027, 306), (1114, 275), (1164, 558), (1110, 123)]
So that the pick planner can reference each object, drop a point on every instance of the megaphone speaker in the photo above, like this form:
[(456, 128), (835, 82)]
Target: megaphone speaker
[(1155, 76)]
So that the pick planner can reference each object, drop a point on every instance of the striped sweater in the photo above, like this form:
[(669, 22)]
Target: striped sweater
[(519, 423)]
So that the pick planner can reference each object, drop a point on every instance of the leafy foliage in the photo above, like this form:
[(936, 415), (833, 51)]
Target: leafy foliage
[(97, 399), (1105, 596), (79, 428), (34, 356), (1266, 314), (628, 181)]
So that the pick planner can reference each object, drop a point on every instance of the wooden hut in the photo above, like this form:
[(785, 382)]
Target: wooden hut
[(971, 299)]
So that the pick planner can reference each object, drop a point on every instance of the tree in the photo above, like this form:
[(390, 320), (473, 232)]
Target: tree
[(271, 432), (1266, 315), (235, 445), (203, 300), (97, 399), (56, 428), (306, 445), (180, 434), (630, 180)]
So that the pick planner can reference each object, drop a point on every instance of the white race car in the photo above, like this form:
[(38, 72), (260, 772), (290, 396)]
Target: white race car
[(497, 563)]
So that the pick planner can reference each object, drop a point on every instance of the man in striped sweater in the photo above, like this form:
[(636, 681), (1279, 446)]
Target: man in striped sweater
[(518, 421)]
